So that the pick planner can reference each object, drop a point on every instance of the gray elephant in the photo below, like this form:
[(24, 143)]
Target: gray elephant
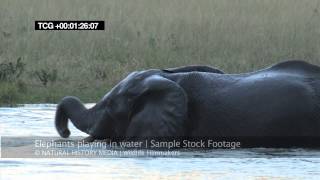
[(199, 101)]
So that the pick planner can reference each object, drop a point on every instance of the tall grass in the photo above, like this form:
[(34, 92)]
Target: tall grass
[(233, 35)]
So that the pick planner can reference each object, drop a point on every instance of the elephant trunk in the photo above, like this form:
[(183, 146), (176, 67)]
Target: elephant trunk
[(72, 108), (61, 122)]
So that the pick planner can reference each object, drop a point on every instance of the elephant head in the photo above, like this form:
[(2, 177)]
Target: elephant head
[(143, 104)]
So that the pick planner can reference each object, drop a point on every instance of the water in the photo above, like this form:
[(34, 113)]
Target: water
[(37, 120)]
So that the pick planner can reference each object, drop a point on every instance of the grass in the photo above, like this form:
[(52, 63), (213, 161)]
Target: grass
[(234, 35)]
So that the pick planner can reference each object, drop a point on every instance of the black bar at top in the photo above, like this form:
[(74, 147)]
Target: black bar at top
[(69, 25)]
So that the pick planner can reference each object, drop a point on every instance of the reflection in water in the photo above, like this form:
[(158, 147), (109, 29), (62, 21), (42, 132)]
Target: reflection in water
[(37, 120)]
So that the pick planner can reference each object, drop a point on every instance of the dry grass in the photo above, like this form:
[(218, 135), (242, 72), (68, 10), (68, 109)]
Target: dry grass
[(233, 35)]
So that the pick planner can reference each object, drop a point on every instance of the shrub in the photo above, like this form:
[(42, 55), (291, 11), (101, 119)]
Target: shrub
[(46, 76), (8, 93), (11, 71)]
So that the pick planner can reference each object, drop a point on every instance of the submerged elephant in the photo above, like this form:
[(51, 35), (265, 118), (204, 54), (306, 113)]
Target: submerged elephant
[(199, 101)]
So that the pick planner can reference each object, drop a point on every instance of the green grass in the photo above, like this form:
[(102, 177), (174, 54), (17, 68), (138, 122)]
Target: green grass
[(233, 35)]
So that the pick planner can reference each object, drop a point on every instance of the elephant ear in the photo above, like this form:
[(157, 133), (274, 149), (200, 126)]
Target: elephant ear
[(160, 110)]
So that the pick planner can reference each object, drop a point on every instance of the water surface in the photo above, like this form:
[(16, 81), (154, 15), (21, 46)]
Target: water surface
[(37, 120)]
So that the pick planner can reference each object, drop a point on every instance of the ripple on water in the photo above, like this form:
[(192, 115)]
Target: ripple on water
[(30, 120)]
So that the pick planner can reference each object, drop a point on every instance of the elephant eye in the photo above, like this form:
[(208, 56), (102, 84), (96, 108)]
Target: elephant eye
[(109, 103), (112, 105)]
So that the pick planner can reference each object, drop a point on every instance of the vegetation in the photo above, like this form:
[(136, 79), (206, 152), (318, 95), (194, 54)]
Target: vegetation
[(234, 35)]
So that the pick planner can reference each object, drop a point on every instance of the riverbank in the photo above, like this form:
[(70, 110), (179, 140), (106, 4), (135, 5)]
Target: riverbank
[(234, 36)]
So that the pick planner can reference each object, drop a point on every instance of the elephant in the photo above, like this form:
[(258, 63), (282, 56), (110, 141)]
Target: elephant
[(193, 68), (280, 101)]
